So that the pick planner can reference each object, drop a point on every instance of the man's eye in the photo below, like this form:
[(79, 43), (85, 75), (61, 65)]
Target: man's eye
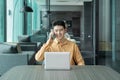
[(61, 30)]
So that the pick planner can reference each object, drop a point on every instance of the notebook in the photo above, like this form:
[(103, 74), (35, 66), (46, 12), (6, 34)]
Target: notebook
[(57, 60)]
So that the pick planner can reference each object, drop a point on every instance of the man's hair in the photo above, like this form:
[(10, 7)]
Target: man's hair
[(59, 23)]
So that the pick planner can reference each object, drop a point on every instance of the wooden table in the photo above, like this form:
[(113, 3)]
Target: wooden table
[(37, 72)]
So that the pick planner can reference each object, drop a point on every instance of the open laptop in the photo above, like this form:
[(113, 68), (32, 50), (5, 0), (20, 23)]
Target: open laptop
[(57, 60)]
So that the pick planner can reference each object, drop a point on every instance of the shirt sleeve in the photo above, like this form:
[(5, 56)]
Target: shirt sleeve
[(45, 48), (78, 57)]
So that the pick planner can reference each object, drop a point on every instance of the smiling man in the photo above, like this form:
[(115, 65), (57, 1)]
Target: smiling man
[(58, 43)]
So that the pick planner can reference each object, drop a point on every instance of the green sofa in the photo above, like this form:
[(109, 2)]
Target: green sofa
[(11, 55)]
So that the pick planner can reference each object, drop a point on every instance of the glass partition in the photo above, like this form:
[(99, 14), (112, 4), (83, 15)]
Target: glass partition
[(108, 38), (115, 19)]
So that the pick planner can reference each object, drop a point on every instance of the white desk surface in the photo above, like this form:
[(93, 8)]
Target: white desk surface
[(37, 72)]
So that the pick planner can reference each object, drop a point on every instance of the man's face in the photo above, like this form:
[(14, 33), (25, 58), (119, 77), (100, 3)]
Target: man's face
[(59, 32)]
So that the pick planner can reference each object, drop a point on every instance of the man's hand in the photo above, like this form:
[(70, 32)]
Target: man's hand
[(51, 35)]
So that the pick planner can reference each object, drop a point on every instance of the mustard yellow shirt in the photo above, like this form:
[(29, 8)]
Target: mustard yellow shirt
[(63, 46)]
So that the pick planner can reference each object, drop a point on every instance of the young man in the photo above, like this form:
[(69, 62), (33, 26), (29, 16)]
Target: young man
[(60, 44)]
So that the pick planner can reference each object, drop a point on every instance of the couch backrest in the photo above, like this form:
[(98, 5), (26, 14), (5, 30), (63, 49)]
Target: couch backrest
[(9, 48), (28, 46)]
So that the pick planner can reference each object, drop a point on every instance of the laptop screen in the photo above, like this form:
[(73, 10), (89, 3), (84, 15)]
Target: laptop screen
[(57, 60)]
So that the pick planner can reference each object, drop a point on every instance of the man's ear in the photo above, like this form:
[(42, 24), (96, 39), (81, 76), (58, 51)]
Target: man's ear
[(65, 30)]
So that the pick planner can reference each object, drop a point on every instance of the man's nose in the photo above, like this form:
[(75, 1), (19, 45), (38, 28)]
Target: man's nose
[(58, 32)]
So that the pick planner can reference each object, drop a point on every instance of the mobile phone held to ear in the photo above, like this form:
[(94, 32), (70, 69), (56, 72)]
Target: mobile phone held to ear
[(52, 34)]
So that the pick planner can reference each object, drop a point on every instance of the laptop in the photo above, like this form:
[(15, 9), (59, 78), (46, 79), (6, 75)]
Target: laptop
[(57, 60)]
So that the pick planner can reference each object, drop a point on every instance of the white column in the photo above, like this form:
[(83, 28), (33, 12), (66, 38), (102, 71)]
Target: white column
[(9, 18)]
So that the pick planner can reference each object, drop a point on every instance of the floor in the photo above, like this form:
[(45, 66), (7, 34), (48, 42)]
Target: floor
[(107, 60)]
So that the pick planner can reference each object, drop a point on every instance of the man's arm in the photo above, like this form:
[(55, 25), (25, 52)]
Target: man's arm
[(78, 57), (40, 54)]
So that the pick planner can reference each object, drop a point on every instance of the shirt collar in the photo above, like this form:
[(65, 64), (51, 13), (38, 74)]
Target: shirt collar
[(63, 41)]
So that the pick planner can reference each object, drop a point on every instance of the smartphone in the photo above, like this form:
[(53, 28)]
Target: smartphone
[(53, 35)]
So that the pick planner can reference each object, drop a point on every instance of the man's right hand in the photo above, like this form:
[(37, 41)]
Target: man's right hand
[(51, 35)]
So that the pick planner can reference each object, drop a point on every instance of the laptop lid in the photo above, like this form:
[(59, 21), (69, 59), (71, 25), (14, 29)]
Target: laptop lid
[(57, 60)]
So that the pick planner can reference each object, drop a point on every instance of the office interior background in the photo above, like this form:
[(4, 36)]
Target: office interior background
[(94, 24)]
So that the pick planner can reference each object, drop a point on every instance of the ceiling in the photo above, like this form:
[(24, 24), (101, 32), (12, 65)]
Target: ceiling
[(62, 2)]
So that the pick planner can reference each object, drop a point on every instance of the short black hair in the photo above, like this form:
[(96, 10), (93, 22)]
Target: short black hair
[(60, 23)]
